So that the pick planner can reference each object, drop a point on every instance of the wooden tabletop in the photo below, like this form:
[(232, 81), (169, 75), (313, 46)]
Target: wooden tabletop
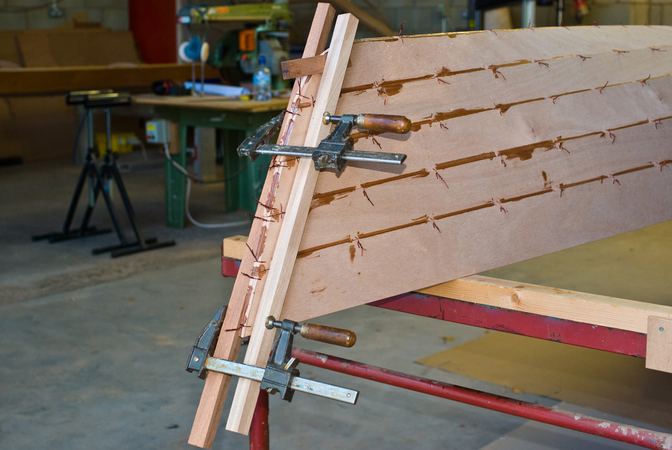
[(60, 80), (211, 102)]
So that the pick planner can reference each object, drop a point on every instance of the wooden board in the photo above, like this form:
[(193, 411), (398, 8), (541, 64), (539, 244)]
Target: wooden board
[(293, 221), (525, 142), (295, 68), (606, 311), (52, 80), (263, 236), (211, 102)]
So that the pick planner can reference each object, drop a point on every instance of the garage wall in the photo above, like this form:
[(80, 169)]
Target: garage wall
[(32, 14), (432, 16)]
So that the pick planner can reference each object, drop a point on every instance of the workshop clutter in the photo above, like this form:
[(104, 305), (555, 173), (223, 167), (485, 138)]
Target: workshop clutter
[(119, 142)]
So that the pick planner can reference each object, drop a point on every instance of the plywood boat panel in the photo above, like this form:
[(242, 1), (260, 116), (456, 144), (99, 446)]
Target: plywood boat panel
[(547, 142)]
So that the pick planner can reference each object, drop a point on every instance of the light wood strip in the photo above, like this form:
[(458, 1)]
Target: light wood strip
[(600, 310), (525, 223), (56, 80), (472, 92), (215, 102), (659, 343), (416, 257), (295, 68), (264, 229), (289, 238), (612, 312), (387, 90)]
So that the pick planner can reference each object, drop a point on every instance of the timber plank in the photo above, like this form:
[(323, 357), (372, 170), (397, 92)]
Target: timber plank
[(527, 82), (295, 68), (659, 344), (284, 255), (260, 245), (409, 57), (612, 312), (523, 80), (30, 81), (595, 309)]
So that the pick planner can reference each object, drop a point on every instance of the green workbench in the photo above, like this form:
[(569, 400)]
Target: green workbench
[(238, 119)]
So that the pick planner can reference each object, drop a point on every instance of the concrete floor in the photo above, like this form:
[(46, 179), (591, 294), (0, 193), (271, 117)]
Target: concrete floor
[(95, 348)]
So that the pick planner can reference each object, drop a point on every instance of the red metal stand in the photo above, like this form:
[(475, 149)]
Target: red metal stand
[(259, 437), (526, 324), (532, 325), (565, 419)]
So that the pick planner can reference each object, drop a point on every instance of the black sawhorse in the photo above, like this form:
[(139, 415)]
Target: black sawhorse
[(100, 182), (89, 173)]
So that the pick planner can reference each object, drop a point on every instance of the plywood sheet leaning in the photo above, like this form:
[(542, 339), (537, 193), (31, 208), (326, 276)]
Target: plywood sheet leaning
[(524, 142)]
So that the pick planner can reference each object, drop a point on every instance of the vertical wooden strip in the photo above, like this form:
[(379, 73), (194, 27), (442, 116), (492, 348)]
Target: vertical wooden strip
[(208, 413), (659, 344), (284, 256), (293, 132)]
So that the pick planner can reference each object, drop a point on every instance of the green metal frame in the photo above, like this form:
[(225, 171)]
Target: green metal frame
[(245, 178)]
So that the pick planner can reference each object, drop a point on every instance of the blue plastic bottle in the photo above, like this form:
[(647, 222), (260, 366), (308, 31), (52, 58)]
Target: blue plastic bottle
[(261, 81)]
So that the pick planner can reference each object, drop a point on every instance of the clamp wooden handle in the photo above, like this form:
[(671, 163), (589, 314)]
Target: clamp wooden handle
[(328, 335), (382, 123)]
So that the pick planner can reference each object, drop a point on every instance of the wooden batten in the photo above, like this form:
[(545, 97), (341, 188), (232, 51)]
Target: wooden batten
[(612, 312), (260, 244), (524, 142), (407, 57), (659, 344), (293, 221), (295, 68)]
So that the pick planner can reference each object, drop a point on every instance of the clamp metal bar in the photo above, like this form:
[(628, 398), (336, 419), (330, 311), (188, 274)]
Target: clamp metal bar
[(396, 159), (304, 385), (352, 156), (284, 150), (337, 148)]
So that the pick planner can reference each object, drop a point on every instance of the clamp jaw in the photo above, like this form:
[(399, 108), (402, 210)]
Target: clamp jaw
[(337, 148), (280, 374), (205, 344), (281, 366)]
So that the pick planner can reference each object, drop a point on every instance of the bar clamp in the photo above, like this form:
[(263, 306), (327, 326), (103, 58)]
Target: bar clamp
[(280, 375), (337, 148)]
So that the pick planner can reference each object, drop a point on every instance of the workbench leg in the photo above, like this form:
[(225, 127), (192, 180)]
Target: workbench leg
[(233, 164), (251, 179), (176, 182), (259, 437)]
